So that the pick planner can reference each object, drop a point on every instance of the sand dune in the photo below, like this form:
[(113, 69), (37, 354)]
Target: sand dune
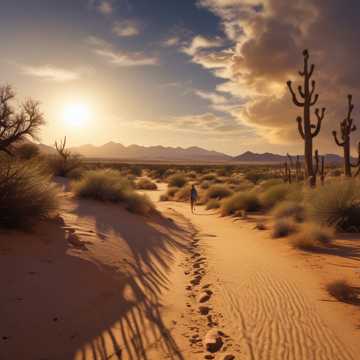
[(101, 283), (266, 297)]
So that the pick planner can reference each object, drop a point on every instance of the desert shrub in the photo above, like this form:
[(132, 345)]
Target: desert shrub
[(342, 290), (110, 185), (209, 177), (26, 194), (192, 175), (213, 204), (266, 184), (274, 195), (289, 209), (146, 184), (103, 185), (336, 204), (27, 151), (205, 184), (183, 194), (170, 194), (335, 172), (63, 167), (246, 201), (138, 204), (235, 179), (217, 192), (284, 227), (260, 226), (256, 176), (244, 186), (177, 180), (135, 170), (75, 174), (312, 236)]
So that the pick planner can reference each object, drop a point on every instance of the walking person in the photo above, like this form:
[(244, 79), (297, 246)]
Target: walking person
[(193, 198)]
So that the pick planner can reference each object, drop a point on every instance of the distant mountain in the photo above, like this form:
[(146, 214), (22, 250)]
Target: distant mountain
[(249, 156), (267, 157), (114, 150)]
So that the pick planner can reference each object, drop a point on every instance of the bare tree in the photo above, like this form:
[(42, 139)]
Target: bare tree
[(15, 125)]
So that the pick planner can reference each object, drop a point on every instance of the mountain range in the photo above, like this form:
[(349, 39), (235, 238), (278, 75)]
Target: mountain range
[(113, 150)]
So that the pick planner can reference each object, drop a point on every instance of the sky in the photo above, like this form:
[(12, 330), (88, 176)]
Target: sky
[(209, 73)]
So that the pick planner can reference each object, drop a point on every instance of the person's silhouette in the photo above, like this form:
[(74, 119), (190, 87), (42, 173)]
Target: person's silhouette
[(193, 198)]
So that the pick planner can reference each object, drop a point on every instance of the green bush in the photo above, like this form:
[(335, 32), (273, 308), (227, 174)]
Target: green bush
[(247, 201), (336, 204), (26, 194), (177, 180)]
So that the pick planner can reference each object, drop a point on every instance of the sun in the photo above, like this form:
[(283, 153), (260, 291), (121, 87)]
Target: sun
[(77, 114)]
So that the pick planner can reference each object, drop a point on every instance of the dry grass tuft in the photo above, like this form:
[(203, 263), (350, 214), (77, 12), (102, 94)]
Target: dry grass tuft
[(110, 185), (312, 236), (146, 184), (342, 291), (27, 194), (289, 209), (246, 201), (177, 180), (213, 204), (284, 227)]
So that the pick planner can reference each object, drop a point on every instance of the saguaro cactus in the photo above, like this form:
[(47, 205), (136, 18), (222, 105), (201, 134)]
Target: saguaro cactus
[(319, 168), (346, 128), (306, 129)]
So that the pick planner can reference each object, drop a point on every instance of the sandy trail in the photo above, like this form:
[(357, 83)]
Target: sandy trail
[(100, 283), (266, 298)]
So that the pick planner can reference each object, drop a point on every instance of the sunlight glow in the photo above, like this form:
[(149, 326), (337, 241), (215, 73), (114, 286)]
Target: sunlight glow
[(77, 114)]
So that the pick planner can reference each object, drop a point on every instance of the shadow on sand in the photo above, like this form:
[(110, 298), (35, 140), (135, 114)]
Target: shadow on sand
[(74, 308)]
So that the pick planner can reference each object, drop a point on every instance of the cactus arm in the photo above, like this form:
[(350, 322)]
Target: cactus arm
[(312, 68), (314, 101), (301, 92), (320, 117), (295, 100), (300, 127), (337, 140)]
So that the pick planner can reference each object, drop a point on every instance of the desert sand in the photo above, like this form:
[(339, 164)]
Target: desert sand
[(101, 283)]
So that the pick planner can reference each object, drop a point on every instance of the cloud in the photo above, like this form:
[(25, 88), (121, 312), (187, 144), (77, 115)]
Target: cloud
[(172, 41), (104, 7), (50, 73), (120, 57), (200, 42), (267, 38), (126, 28)]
